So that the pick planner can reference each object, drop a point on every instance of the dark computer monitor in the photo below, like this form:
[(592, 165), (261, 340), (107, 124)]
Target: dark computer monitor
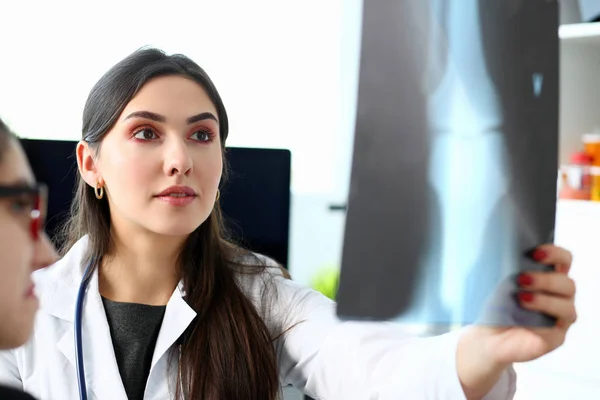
[(255, 200)]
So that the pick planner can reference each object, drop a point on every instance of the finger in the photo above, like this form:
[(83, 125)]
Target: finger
[(553, 255), (552, 283), (558, 307)]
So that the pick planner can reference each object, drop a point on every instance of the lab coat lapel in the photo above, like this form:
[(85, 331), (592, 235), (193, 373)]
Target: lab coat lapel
[(101, 370), (59, 299), (178, 316)]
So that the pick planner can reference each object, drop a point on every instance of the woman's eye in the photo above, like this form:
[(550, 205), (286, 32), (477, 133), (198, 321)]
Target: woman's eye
[(202, 136), (145, 134)]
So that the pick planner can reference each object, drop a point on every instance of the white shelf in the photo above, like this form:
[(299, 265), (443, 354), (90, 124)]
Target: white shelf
[(580, 33), (579, 84)]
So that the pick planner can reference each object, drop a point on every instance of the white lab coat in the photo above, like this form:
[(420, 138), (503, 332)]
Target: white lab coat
[(321, 356)]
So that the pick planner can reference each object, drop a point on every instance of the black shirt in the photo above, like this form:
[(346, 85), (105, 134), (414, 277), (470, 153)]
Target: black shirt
[(7, 393), (133, 329)]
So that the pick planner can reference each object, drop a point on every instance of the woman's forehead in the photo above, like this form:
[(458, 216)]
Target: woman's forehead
[(172, 95)]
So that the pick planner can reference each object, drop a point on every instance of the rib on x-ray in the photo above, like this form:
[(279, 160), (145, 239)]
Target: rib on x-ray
[(454, 162)]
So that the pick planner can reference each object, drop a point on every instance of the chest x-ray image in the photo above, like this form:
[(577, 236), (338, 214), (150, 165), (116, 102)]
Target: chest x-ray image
[(454, 162)]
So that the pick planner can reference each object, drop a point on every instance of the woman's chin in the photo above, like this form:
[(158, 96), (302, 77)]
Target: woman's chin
[(177, 228)]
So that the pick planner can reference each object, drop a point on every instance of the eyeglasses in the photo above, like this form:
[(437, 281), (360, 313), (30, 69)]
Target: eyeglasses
[(30, 203)]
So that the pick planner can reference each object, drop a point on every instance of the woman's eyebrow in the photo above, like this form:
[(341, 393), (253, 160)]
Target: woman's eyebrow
[(147, 115), (161, 118)]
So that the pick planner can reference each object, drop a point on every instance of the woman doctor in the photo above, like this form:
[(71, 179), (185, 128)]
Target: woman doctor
[(174, 310), (24, 247)]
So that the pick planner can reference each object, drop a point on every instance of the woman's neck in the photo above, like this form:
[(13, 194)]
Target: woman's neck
[(142, 269)]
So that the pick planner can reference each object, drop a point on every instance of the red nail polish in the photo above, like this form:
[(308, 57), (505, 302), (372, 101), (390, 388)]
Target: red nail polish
[(539, 255), (525, 280), (526, 297)]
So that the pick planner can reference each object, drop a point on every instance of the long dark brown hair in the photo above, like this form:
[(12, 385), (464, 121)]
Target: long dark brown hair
[(227, 352)]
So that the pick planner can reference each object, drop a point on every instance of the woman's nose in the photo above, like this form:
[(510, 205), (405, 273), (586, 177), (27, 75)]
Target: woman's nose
[(177, 158)]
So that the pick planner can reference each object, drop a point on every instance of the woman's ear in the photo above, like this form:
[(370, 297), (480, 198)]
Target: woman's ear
[(87, 164)]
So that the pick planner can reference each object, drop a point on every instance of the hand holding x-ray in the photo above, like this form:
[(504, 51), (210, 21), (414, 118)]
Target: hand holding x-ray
[(484, 349)]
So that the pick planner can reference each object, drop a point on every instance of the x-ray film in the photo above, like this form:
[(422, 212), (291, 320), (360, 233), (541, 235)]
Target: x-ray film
[(455, 160)]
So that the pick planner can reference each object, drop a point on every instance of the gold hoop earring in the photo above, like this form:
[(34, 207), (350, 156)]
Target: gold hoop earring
[(218, 195), (99, 191)]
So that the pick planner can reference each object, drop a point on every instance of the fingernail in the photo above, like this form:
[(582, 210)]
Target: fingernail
[(526, 297), (539, 255), (525, 280)]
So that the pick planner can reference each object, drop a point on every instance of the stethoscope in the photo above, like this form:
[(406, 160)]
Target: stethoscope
[(79, 336), (78, 331)]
